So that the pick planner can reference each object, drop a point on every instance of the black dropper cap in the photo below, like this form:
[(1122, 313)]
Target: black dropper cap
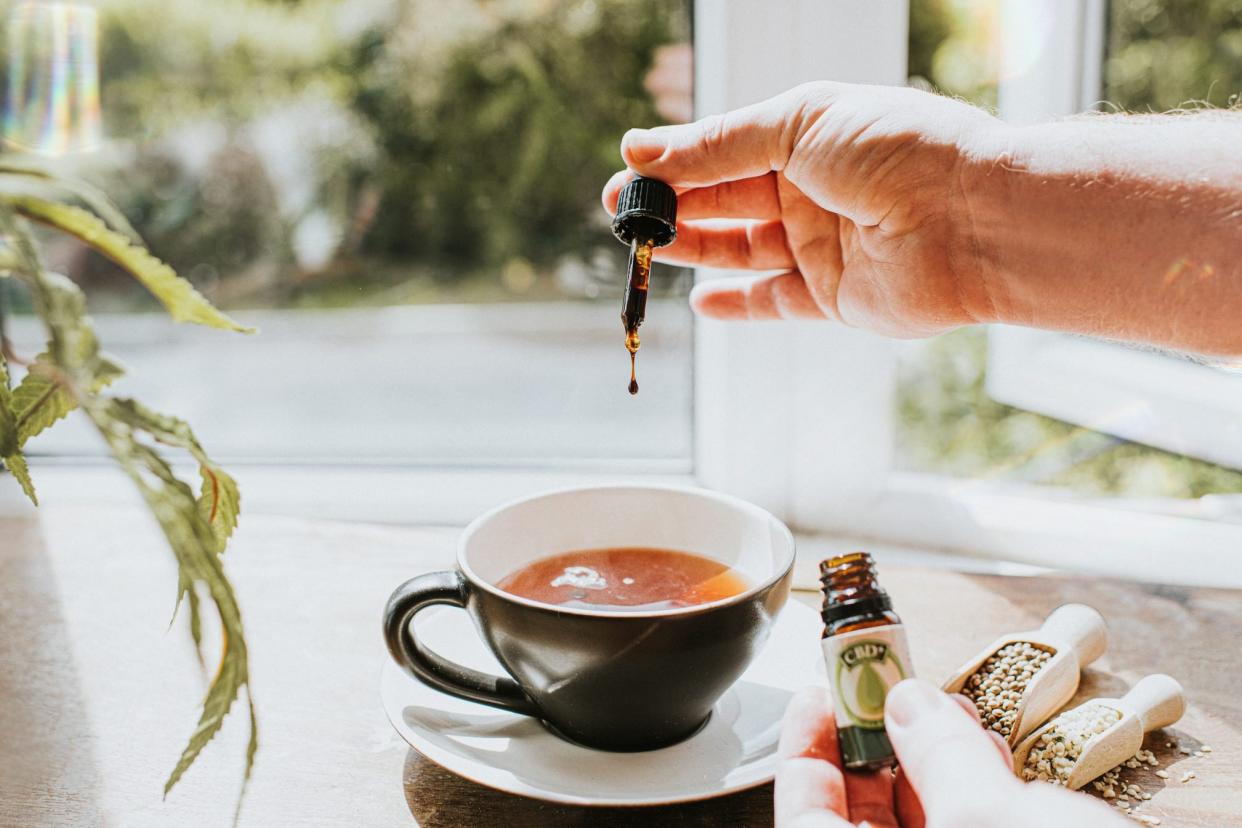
[(646, 208)]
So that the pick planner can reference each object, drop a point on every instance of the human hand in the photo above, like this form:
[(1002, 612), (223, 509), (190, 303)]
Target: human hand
[(853, 191), (953, 773)]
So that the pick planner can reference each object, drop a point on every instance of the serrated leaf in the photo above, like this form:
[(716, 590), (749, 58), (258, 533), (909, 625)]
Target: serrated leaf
[(39, 401), (183, 302), (73, 349), (16, 464), (196, 622), (219, 500), (16, 173), (220, 503), (193, 541), (10, 451), (8, 421)]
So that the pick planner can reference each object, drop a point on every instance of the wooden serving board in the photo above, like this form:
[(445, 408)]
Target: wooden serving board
[(97, 699)]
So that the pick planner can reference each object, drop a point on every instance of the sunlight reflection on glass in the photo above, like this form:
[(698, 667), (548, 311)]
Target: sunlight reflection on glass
[(1055, 455), (52, 105), (1028, 29)]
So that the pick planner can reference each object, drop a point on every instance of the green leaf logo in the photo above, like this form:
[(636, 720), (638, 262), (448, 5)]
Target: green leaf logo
[(871, 692), (865, 669)]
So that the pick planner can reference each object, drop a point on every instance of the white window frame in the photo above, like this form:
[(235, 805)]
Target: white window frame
[(1151, 398), (798, 417), (806, 410)]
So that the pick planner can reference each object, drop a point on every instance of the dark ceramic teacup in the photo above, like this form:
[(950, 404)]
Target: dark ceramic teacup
[(616, 680)]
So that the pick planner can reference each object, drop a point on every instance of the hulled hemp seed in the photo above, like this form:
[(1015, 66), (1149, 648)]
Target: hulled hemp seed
[(1054, 753)]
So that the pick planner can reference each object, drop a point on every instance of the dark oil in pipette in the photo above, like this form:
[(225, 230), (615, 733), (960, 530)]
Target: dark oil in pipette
[(638, 277)]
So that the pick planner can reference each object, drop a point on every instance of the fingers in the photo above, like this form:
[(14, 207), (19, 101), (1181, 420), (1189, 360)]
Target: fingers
[(810, 788), (783, 296), (906, 802), (811, 770), (613, 189), (967, 705), (998, 741), (909, 809), (870, 795), (738, 245), (752, 245), (743, 143), (753, 198), (750, 198), (950, 760)]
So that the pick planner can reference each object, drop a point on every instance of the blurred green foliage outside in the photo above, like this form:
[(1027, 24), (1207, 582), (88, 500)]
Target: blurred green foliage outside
[(1166, 54), (344, 152), (1161, 54), (340, 152)]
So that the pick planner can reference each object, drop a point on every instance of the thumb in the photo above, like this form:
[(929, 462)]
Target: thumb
[(950, 760), (739, 144)]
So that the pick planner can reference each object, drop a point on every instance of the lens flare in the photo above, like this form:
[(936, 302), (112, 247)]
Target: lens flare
[(52, 105), (1027, 27)]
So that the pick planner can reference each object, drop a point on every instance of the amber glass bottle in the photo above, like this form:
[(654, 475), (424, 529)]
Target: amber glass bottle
[(865, 652)]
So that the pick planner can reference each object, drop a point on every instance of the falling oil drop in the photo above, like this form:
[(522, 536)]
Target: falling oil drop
[(631, 344)]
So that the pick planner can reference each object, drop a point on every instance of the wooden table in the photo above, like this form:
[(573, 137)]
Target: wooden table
[(97, 698)]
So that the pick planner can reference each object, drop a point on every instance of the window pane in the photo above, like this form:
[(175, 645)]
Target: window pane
[(404, 196), (1160, 54), (1165, 54)]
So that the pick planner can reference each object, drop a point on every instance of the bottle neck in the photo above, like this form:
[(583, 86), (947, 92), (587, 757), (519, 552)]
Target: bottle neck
[(852, 593)]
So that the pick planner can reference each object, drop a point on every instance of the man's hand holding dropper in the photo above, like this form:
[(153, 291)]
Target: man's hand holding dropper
[(910, 214)]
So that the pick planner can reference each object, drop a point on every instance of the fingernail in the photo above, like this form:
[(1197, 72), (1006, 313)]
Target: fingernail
[(643, 145), (911, 699)]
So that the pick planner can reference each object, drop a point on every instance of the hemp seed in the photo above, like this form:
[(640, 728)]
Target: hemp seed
[(1057, 749), (997, 686)]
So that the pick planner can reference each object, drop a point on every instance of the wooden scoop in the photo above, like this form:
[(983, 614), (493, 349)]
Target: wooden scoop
[(1076, 635), (1155, 702)]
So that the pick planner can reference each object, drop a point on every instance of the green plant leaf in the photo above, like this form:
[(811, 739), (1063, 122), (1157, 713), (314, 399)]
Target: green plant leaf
[(10, 445), (8, 421), (39, 401), (193, 542), (74, 350), (219, 500), (16, 464), (196, 620), (183, 302), (18, 171)]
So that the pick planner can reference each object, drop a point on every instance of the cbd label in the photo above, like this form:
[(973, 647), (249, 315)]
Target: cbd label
[(862, 666)]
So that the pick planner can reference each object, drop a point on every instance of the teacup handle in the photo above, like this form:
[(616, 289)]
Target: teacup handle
[(433, 669)]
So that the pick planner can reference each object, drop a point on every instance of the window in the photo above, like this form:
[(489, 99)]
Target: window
[(974, 404), (1155, 57), (441, 326), (403, 197), (978, 464)]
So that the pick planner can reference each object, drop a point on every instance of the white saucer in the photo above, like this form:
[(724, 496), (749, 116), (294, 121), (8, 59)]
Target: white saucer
[(734, 751)]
